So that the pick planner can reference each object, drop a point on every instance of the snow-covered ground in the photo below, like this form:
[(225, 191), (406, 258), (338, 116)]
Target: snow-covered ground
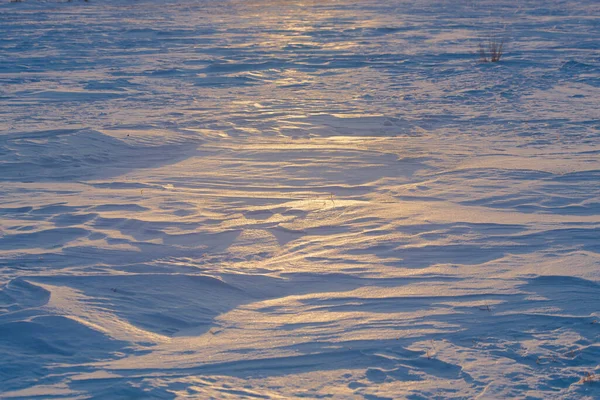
[(285, 198)]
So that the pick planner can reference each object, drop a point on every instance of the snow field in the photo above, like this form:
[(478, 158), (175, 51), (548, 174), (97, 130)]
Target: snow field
[(251, 199)]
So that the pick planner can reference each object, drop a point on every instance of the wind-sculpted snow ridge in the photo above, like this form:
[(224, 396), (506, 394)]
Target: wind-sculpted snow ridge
[(261, 199), (70, 154)]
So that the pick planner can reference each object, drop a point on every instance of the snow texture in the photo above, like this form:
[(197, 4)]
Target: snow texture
[(299, 199)]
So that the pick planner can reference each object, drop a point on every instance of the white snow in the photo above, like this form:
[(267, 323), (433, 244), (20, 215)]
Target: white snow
[(284, 199)]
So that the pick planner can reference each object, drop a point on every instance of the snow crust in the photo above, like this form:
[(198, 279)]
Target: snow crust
[(286, 199)]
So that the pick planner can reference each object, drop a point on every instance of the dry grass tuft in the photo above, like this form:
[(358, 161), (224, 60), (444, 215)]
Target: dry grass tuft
[(589, 377), (493, 51)]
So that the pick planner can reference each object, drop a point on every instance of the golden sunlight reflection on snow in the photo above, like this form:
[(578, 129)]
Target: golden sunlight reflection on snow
[(298, 198)]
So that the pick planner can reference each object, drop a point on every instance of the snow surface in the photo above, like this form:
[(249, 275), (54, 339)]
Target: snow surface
[(285, 198)]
